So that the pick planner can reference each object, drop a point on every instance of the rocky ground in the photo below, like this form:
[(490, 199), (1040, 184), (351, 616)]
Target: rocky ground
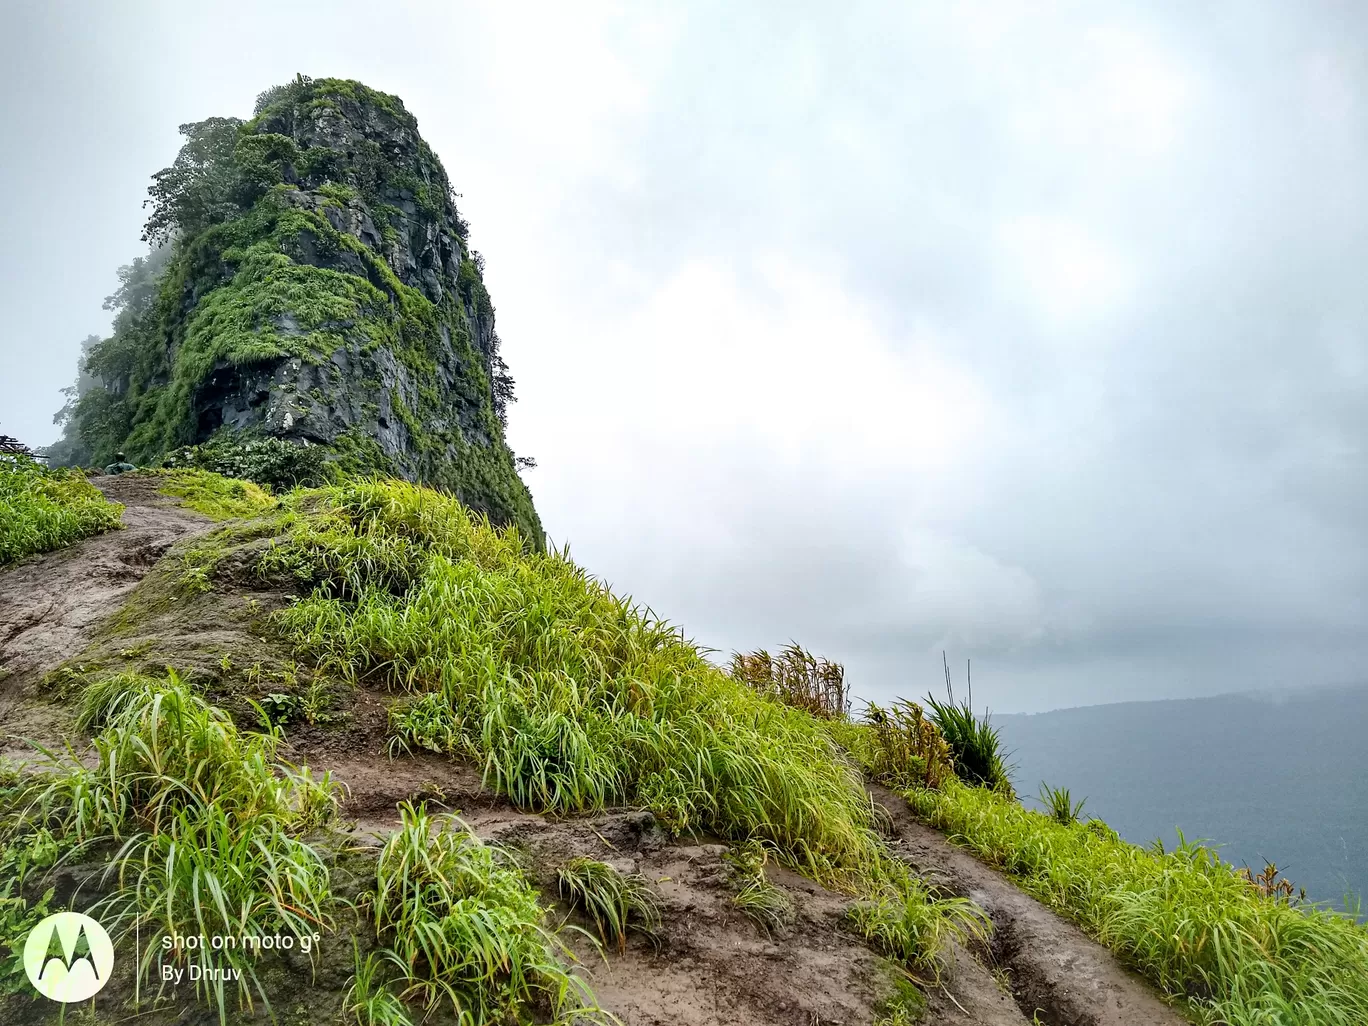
[(710, 964)]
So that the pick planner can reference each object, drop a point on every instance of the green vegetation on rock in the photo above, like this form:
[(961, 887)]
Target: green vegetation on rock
[(42, 509), (311, 283), (270, 462)]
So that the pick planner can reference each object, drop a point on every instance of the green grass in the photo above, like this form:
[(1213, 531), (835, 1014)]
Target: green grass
[(898, 746), (571, 698), (975, 744), (769, 907), (1060, 804), (764, 904), (223, 498), (1191, 924), (795, 677), (616, 902), (201, 821), (43, 509), (461, 927), (368, 1001), (20, 854), (906, 922)]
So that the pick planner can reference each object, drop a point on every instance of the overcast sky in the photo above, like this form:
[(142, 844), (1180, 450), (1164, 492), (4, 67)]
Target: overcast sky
[(1035, 332)]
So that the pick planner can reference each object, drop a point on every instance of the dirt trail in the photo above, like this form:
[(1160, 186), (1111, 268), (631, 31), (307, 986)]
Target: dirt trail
[(1054, 967), (51, 603), (711, 965)]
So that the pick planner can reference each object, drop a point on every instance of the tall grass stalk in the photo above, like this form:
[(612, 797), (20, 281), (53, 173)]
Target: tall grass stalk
[(975, 744)]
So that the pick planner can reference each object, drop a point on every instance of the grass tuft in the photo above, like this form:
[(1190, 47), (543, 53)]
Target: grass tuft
[(462, 926), (908, 924), (795, 677), (766, 905), (898, 746), (615, 901), (204, 823), (42, 509), (975, 744), (1059, 804)]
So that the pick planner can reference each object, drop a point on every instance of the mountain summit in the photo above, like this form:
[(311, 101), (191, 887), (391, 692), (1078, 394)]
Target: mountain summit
[(311, 280)]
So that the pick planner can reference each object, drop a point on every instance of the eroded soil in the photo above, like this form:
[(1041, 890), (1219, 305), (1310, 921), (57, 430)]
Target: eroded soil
[(50, 604), (710, 964)]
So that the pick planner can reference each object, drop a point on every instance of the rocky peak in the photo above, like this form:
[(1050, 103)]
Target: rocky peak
[(322, 291)]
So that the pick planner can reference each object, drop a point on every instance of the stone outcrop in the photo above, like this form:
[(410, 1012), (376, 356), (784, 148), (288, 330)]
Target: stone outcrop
[(329, 297)]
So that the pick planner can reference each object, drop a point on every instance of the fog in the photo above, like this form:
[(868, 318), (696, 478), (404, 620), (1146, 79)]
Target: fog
[(1031, 332)]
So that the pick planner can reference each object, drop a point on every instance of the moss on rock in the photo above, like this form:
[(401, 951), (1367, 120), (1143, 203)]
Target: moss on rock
[(321, 290)]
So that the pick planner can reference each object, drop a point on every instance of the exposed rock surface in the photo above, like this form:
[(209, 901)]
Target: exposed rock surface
[(322, 291)]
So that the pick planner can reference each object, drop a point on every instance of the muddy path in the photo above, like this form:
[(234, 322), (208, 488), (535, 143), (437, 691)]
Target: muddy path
[(50, 604), (710, 965), (1054, 967)]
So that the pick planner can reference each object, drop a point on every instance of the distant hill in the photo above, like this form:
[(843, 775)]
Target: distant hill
[(1280, 777)]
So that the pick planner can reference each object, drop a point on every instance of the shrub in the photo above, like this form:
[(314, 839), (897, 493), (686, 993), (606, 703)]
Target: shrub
[(42, 509), (272, 462)]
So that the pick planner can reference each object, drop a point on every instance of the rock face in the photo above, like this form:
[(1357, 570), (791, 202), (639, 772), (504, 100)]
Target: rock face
[(330, 297)]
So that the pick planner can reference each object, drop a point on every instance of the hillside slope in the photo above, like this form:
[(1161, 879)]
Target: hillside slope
[(218, 605)]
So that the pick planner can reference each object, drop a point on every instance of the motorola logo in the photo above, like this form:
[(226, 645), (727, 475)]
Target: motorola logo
[(68, 957)]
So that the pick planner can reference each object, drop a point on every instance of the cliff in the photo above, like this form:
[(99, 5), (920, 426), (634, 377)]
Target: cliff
[(320, 289)]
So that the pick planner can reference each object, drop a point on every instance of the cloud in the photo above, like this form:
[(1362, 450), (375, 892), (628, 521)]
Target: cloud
[(1029, 331)]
